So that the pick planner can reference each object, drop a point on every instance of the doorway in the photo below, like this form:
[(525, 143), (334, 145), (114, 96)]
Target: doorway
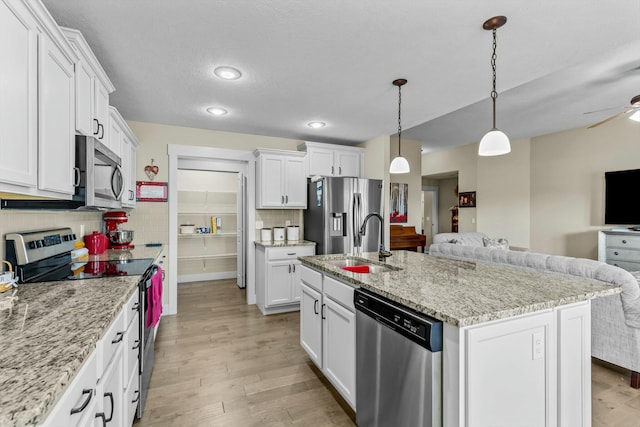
[(235, 244), (429, 213)]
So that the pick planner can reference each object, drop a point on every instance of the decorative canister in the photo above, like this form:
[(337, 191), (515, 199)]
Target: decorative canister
[(278, 234), (265, 234), (293, 233)]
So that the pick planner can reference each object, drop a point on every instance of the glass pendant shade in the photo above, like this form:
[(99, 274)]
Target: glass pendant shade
[(399, 165), (494, 143), (635, 116)]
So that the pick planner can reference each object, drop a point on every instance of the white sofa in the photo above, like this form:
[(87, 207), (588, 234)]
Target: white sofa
[(615, 319)]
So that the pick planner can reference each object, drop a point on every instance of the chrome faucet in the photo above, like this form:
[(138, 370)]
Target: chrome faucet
[(382, 252)]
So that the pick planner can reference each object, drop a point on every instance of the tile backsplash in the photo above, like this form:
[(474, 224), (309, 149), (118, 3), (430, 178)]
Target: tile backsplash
[(81, 222), (278, 217)]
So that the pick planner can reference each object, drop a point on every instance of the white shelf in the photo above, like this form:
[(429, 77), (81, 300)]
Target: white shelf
[(219, 256), (195, 235)]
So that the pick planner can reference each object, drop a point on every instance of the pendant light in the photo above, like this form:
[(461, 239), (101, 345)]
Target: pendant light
[(399, 164), (495, 142)]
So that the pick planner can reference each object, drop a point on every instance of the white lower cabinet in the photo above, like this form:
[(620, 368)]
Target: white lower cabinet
[(101, 393), (485, 367), (278, 277), (328, 329)]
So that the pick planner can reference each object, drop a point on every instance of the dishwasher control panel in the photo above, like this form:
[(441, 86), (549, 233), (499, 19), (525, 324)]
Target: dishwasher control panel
[(420, 328)]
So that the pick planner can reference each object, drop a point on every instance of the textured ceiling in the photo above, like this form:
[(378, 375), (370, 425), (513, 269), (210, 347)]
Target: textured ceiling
[(334, 61)]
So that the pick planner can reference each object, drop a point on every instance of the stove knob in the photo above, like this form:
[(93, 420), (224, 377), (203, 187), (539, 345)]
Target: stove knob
[(40, 243), (65, 238), (32, 244)]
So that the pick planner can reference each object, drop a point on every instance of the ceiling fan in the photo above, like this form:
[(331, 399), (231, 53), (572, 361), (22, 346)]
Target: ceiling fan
[(632, 110)]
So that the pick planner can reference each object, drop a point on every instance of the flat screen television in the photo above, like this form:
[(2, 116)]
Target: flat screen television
[(621, 198)]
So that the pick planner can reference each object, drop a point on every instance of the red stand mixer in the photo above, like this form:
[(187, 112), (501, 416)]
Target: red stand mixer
[(118, 239)]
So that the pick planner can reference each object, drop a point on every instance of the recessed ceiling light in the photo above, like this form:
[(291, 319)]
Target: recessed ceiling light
[(217, 111), (227, 73), (316, 125)]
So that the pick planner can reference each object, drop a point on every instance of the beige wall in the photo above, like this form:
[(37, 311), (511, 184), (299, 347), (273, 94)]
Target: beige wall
[(410, 151), (376, 166), (462, 159), (447, 198), (547, 194), (503, 195), (567, 184)]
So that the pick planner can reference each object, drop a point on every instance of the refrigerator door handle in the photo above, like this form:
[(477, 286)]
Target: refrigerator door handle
[(357, 240)]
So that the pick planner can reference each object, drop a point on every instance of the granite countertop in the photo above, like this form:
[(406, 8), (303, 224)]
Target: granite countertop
[(43, 351), (285, 243), (464, 293)]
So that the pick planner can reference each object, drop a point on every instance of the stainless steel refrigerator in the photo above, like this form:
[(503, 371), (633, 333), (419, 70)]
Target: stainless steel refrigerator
[(336, 208)]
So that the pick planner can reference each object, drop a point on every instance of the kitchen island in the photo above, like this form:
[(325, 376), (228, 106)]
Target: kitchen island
[(51, 332), (516, 342)]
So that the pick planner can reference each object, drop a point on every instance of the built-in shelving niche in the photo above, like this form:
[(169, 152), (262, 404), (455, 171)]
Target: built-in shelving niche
[(210, 255)]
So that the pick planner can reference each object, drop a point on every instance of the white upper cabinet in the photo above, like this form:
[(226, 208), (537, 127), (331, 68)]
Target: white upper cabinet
[(124, 143), (18, 95), (37, 102), (56, 118), (333, 160), (92, 91), (281, 179)]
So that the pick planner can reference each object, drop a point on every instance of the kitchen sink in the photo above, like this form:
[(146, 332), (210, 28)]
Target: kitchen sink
[(352, 263)]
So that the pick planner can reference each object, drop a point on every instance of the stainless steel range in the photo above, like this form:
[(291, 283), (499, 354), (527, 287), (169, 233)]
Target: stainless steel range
[(45, 256)]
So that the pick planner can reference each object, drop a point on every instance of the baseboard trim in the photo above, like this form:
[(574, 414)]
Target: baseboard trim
[(207, 276)]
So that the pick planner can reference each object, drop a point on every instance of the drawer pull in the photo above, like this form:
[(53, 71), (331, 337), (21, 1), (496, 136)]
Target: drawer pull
[(135, 307), (110, 396), (89, 392), (291, 253), (616, 253), (136, 346), (104, 419), (119, 337), (137, 392), (624, 241)]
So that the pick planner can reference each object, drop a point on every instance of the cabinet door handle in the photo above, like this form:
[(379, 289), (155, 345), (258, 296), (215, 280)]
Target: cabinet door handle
[(89, 392), (289, 268), (137, 392), (332, 170), (282, 198), (110, 395), (97, 126), (118, 338), (104, 419), (315, 307), (615, 253), (136, 345), (294, 267), (322, 311), (76, 181), (339, 170), (286, 199), (135, 307), (100, 126), (624, 241)]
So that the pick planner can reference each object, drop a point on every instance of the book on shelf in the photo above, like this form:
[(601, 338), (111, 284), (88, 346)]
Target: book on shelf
[(216, 225)]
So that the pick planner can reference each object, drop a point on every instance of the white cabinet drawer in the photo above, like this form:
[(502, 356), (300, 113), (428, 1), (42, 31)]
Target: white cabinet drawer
[(78, 399), (132, 348), (113, 339), (290, 252), (131, 308), (629, 266), (311, 278), (620, 241), (617, 254), (131, 397), (339, 292)]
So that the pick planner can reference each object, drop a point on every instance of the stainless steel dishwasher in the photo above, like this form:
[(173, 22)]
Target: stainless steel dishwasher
[(398, 364)]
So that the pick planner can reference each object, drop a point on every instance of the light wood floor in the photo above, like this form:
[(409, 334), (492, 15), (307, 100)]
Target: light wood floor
[(220, 362)]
